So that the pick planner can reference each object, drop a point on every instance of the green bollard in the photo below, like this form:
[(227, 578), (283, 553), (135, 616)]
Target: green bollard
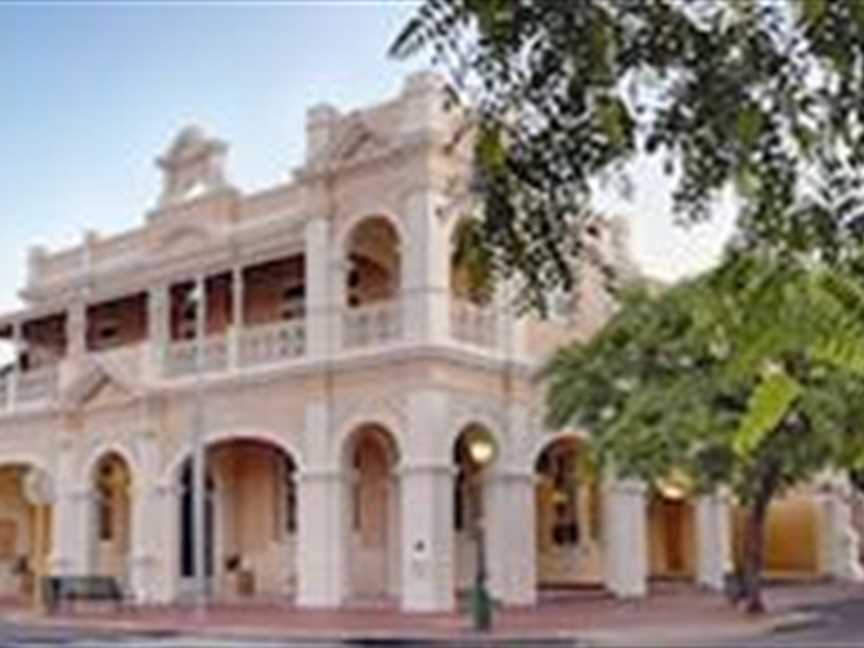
[(481, 608)]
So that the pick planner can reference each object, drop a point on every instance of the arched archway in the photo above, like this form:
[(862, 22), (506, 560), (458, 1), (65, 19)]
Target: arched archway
[(25, 532), (374, 262), (671, 530), (473, 318), (250, 519), (372, 283), (471, 266), (111, 516), (187, 527), (370, 457), (568, 519)]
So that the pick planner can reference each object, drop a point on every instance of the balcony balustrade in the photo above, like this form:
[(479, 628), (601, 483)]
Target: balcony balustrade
[(35, 385), (181, 360), (268, 343), (372, 324), (243, 348), (473, 323)]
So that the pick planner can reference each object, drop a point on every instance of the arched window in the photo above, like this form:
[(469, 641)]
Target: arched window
[(374, 262)]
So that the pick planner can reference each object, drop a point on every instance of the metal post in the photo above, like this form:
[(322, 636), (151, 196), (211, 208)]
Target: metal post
[(481, 603), (199, 469), (39, 561)]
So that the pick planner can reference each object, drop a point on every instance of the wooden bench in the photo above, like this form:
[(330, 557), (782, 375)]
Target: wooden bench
[(57, 589)]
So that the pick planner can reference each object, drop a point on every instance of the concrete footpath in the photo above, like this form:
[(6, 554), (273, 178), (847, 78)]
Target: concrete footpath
[(672, 614)]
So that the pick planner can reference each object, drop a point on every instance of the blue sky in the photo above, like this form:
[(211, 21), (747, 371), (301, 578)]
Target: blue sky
[(93, 92)]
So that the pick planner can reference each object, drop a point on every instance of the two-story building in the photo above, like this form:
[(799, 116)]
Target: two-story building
[(346, 360)]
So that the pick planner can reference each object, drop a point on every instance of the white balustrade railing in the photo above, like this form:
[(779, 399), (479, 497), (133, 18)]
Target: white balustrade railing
[(371, 324), (38, 384), (473, 324), (265, 343), (181, 360)]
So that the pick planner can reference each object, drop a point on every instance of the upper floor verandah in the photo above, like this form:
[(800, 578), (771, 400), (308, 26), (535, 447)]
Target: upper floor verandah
[(354, 255)]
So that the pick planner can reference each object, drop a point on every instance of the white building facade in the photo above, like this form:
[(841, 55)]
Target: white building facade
[(346, 361)]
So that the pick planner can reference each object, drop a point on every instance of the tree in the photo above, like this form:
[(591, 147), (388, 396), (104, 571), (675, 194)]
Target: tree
[(748, 377), (739, 94)]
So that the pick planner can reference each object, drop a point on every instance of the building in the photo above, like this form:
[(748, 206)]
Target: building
[(347, 363)]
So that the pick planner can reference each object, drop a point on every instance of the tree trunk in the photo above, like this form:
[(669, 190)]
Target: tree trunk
[(754, 547)]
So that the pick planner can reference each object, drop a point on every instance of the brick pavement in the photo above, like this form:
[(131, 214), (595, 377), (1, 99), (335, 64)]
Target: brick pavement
[(674, 612)]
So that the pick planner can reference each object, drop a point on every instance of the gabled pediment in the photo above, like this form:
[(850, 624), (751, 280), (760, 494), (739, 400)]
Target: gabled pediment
[(356, 141), (181, 241)]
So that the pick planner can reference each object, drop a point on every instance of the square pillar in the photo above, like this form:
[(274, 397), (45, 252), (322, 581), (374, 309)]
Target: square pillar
[(625, 535), (320, 539), (76, 329), (319, 289), (158, 326), (713, 541), (72, 515), (511, 534), (146, 544), (158, 577), (839, 539), (425, 270), (426, 487), (427, 538)]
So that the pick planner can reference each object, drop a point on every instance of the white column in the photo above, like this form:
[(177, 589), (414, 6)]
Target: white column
[(320, 516), (146, 545), (427, 538), (164, 507), (840, 541), (76, 329), (157, 316), (713, 540), (426, 486), (319, 301), (512, 537), (238, 291), (425, 270), (320, 546), (71, 517), (71, 550), (625, 536)]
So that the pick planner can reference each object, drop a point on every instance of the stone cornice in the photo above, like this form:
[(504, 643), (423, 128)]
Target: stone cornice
[(346, 362), (248, 244)]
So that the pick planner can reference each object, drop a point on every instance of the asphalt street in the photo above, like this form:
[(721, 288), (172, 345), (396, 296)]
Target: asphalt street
[(844, 626)]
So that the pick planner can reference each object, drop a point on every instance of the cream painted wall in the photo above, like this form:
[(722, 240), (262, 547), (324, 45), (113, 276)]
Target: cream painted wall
[(791, 537)]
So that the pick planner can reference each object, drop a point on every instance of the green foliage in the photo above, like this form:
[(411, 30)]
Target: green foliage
[(472, 261), (768, 405), (753, 369), (757, 96)]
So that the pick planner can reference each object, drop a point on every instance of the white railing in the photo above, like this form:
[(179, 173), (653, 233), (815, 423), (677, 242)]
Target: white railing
[(37, 385), (265, 343), (473, 324), (180, 357), (371, 324)]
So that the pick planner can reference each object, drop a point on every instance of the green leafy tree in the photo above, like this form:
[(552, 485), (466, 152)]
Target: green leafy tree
[(748, 377), (740, 94)]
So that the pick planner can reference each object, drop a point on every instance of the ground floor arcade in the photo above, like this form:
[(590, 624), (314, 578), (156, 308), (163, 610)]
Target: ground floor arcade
[(378, 527)]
